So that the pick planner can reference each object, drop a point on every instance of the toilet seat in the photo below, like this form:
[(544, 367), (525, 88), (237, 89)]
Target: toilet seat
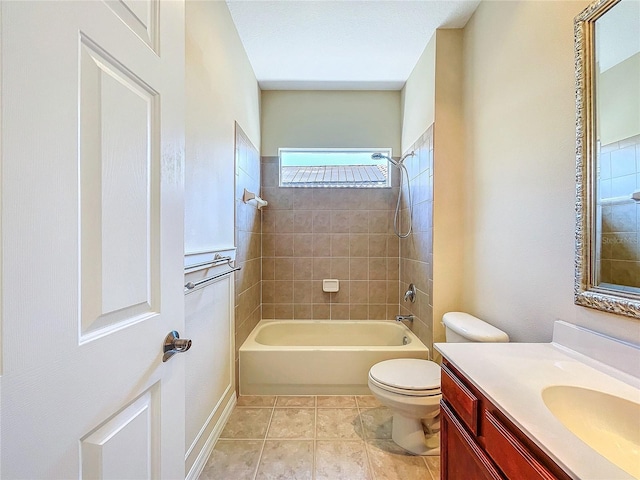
[(407, 376)]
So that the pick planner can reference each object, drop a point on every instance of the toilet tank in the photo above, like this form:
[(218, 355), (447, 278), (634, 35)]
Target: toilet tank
[(462, 327)]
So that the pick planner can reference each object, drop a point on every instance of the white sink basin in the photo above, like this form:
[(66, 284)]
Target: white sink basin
[(608, 424)]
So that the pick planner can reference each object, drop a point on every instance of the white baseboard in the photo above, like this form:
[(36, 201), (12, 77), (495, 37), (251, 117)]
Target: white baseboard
[(205, 453)]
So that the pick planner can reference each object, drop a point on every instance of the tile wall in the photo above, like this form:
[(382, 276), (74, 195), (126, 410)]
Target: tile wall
[(248, 227), (416, 251), (309, 234), (620, 242)]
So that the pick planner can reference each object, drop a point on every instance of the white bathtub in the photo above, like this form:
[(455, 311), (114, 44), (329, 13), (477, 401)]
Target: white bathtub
[(325, 357)]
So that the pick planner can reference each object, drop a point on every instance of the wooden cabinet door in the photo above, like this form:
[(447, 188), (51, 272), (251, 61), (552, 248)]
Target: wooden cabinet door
[(462, 458)]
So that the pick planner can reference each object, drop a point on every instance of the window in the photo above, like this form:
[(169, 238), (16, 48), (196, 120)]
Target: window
[(333, 167)]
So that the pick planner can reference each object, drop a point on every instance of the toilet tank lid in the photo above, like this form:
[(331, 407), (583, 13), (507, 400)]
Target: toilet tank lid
[(473, 328)]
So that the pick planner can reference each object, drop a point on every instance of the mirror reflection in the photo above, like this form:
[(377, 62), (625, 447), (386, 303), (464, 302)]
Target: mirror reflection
[(616, 79)]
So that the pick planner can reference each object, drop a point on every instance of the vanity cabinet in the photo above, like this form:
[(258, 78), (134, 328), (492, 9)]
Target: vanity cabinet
[(479, 442)]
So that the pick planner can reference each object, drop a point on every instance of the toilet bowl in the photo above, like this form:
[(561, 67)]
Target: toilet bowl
[(410, 387)]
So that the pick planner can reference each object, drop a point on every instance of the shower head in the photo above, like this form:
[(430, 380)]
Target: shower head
[(379, 156)]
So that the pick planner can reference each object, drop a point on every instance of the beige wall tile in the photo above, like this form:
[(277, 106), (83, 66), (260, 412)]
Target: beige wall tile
[(340, 221), (283, 291), (359, 222), (268, 311), (303, 245), (340, 267), (303, 221), (284, 221), (283, 311), (268, 221), (339, 312), (340, 245), (377, 268), (377, 312), (302, 291), (358, 312), (302, 268), (303, 199), (343, 295), (268, 245), (283, 268), (377, 291), (268, 268), (284, 245), (302, 311), (326, 234), (268, 291), (378, 221), (321, 268), (318, 295), (359, 245), (321, 245), (321, 221), (378, 245), (358, 269), (321, 311), (359, 292)]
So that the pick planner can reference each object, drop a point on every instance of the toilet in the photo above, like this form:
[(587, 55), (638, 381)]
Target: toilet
[(410, 387)]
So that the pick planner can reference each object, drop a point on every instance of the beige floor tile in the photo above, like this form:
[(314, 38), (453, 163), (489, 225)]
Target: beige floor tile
[(338, 423), (377, 422), (247, 423), (390, 462), (333, 401), (433, 464), (286, 460), (233, 459), (257, 401), (367, 401), (341, 460), (302, 401), (292, 423)]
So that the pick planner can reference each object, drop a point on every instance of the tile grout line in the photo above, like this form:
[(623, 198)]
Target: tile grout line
[(364, 439), (315, 436), (264, 440)]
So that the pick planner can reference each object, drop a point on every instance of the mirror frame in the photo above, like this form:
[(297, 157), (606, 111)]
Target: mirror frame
[(586, 292)]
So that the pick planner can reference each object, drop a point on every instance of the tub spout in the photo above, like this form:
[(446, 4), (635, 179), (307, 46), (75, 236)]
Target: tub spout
[(404, 318)]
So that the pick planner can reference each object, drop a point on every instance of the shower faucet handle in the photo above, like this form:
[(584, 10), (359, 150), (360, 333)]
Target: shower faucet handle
[(410, 293)]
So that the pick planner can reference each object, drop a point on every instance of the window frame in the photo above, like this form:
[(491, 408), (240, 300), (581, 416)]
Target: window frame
[(387, 151)]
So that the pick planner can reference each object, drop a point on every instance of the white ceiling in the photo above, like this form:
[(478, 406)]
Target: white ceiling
[(343, 44)]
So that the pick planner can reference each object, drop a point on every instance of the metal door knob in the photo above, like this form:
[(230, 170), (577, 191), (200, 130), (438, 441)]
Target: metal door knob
[(174, 344)]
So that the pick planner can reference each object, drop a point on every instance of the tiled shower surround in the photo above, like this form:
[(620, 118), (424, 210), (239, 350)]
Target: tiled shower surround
[(306, 235), (620, 237), (309, 234), (416, 251), (248, 226)]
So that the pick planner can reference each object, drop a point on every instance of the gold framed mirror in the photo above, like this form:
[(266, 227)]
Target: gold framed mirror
[(607, 70)]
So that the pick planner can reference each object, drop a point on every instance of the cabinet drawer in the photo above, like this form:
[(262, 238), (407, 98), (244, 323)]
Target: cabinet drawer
[(511, 456), (463, 401)]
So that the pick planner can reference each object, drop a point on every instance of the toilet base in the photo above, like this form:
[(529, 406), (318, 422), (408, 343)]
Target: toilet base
[(408, 433)]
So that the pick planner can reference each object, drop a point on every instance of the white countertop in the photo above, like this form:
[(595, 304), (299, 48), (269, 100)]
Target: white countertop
[(513, 375)]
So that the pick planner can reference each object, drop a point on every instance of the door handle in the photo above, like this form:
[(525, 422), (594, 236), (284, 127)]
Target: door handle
[(174, 344)]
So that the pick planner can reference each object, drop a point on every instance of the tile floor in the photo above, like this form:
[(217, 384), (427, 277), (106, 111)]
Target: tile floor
[(313, 438)]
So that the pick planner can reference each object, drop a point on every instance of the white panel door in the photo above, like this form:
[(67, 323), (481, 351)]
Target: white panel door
[(92, 239)]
